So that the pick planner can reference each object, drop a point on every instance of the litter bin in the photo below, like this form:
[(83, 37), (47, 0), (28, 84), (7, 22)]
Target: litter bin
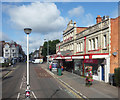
[(59, 72), (111, 79)]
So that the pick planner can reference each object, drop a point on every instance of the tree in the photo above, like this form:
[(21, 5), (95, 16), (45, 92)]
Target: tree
[(52, 47)]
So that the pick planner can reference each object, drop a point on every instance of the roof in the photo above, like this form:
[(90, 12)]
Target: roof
[(80, 29)]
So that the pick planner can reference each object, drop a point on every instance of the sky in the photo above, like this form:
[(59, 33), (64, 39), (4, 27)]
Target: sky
[(48, 20)]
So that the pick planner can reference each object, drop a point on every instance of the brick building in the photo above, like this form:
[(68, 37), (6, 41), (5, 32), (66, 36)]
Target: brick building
[(114, 44)]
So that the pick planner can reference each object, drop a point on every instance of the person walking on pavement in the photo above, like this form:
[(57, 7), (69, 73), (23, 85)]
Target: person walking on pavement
[(62, 68), (89, 77), (50, 67)]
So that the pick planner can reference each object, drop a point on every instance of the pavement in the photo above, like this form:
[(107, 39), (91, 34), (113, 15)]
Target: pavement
[(77, 83)]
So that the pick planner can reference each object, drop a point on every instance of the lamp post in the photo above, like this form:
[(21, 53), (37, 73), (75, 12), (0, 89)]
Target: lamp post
[(47, 52), (28, 31)]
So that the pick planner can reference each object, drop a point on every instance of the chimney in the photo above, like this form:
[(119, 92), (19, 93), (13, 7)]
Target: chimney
[(74, 24), (98, 19)]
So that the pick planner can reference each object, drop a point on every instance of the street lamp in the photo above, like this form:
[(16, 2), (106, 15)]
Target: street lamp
[(28, 31), (47, 52)]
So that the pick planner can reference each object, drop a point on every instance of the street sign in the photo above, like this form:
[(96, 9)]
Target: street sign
[(27, 94)]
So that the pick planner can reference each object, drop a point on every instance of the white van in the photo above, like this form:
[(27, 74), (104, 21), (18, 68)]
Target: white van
[(37, 61)]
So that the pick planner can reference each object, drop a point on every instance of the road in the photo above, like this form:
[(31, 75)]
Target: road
[(42, 84)]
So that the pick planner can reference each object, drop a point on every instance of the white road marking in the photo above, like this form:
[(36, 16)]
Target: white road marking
[(18, 96), (21, 85), (34, 95), (60, 88), (24, 77)]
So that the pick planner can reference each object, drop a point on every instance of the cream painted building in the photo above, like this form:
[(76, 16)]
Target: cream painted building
[(89, 47)]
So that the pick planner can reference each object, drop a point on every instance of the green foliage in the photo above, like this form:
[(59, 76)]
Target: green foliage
[(117, 76), (5, 64), (52, 47)]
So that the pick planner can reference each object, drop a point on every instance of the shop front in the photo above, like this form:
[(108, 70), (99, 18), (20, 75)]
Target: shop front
[(78, 66), (98, 68), (94, 64), (68, 65)]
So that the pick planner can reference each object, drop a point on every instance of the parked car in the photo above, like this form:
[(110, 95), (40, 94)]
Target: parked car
[(54, 66)]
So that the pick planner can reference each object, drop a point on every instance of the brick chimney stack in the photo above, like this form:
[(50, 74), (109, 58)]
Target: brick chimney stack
[(98, 19)]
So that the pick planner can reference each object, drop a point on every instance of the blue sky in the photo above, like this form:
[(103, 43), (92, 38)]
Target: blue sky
[(48, 20)]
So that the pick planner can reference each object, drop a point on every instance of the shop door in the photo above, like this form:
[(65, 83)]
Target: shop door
[(103, 73)]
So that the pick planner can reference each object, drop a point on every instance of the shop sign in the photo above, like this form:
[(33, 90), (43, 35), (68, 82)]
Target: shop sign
[(68, 60), (95, 61)]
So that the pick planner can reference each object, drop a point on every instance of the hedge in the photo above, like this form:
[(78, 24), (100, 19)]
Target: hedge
[(5, 64), (117, 76)]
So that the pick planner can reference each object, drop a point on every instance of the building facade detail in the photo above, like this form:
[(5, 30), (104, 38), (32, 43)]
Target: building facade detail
[(89, 45), (12, 50)]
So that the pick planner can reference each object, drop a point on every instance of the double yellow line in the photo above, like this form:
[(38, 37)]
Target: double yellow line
[(65, 85), (75, 94), (7, 74)]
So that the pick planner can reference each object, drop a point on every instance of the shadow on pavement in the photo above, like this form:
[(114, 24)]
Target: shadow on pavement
[(7, 77), (54, 93)]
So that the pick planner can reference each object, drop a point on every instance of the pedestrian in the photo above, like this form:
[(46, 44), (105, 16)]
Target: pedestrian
[(62, 68), (89, 77), (50, 67)]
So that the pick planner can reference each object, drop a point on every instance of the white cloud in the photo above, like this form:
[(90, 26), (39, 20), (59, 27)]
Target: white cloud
[(86, 19), (79, 11), (41, 17), (34, 43), (53, 36)]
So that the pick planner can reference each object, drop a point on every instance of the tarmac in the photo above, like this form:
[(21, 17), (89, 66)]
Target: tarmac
[(76, 82), (5, 70)]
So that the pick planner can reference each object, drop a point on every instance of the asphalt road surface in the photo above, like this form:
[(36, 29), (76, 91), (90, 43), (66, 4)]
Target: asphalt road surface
[(42, 84)]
